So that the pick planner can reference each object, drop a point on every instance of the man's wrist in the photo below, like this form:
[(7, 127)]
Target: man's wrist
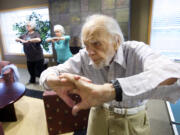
[(109, 92), (118, 89), (49, 79)]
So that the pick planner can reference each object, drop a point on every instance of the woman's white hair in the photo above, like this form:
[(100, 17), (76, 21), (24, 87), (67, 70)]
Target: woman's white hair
[(32, 24), (110, 24), (59, 28)]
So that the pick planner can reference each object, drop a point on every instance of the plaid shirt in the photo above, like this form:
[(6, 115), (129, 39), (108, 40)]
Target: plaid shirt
[(138, 69)]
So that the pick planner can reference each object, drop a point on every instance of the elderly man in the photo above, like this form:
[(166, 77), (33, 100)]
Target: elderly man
[(32, 48), (115, 78)]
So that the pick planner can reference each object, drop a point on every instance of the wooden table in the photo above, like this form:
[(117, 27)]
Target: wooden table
[(10, 92)]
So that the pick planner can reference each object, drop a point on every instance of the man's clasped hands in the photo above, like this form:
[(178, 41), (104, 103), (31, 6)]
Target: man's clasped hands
[(91, 94)]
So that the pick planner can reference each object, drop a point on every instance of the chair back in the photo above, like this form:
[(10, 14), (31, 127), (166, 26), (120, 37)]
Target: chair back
[(59, 116), (1, 129)]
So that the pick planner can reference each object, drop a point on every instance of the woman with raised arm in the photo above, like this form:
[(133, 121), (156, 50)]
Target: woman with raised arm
[(61, 44), (31, 42)]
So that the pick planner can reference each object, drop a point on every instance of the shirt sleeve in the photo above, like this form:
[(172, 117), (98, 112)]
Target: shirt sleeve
[(22, 36), (72, 65), (168, 93), (156, 69), (67, 37)]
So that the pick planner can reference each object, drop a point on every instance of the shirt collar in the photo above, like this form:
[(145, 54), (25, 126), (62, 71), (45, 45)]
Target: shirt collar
[(90, 61), (119, 57)]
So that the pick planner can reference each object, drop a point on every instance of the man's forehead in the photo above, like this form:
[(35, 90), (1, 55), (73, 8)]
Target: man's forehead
[(92, 40), (95, 36)]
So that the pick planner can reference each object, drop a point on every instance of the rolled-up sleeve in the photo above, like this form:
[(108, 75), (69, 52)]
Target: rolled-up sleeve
[(72, 65), (67, 37), (156, 69), (169, 93)]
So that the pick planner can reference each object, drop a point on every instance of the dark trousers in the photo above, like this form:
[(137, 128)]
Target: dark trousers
[(35, 68)]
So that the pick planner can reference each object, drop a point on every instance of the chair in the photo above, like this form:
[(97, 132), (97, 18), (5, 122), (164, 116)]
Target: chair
[(1, 129), (10, 92), (59, 116)]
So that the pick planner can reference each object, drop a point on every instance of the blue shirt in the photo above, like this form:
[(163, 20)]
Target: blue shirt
[(62, 50)]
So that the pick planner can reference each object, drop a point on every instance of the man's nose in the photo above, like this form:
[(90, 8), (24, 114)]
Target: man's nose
[(91, 52)]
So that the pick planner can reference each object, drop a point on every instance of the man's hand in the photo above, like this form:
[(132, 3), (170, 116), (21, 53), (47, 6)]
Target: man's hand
[(62, 86), (91, 94), (76, 77), (169, 81)]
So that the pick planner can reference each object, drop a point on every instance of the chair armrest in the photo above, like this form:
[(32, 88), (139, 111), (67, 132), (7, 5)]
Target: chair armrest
[(59, 116)]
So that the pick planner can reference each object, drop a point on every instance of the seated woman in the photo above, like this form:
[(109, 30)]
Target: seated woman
[(61, 44)]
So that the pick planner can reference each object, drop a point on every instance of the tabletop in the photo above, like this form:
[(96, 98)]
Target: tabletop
[(10, 93)]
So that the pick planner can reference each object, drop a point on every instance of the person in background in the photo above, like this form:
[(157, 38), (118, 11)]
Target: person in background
[(61, 44), (114, 78), (31, 44)]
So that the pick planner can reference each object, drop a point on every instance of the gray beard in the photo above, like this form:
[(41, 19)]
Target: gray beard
[(103, 63), (99, 66)]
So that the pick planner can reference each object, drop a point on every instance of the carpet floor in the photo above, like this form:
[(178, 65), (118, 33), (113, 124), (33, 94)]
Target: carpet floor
[(34, 93), (24, 79)]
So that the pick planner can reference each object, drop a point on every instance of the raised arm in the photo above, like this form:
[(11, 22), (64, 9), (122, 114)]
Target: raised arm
[(18, 40), (49, 40), (91, 94), (158, 71), (34, 40), (55, 39), (72, 65), (50, 78), (21, 40)]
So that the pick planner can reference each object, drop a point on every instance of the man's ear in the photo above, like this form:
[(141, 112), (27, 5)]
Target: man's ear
[(117, 41)]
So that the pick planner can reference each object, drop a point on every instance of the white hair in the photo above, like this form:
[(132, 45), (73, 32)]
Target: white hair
[(32, 24), (111, 25), (59, 28)]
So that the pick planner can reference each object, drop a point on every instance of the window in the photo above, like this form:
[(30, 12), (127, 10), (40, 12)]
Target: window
[(165, 29), (165, 38), (8, 19)]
